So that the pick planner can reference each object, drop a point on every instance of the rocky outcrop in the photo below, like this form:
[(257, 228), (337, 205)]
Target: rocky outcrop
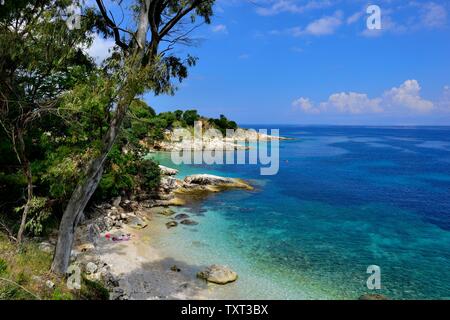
[(136, 212), (211, 183), (165, 171), (218, 274)]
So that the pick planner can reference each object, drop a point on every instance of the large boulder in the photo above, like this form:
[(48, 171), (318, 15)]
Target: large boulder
[(208, 179), (166, 171), (218, 274), (211, 183), (168, 184), (136, 223)]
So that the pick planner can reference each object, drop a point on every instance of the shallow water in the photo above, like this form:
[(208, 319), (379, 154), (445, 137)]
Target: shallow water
[(345, 198)]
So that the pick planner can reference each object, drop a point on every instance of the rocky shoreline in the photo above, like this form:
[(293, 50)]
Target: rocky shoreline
[(112, 241), (235, 142)]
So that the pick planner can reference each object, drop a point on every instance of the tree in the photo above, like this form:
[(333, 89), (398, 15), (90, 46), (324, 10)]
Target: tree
[(190, 116), (139, 64), (39, 59)]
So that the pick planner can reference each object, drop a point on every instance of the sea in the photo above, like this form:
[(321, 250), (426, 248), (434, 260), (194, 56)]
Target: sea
[(344, 199)]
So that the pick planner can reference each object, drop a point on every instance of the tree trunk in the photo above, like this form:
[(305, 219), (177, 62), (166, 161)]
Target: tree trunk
[(84, 191), (27, 171), (71, 217), (88, 185)]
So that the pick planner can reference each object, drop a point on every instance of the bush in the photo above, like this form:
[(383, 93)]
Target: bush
[(150, 174)]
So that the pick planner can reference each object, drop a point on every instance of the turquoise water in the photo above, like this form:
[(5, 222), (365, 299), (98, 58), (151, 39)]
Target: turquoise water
[(345, 198)]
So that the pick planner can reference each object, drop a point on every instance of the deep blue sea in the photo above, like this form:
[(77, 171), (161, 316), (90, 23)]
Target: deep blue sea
[(345, 198)]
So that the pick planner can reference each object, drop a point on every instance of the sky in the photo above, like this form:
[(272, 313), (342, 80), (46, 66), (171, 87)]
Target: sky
[(316, 62)]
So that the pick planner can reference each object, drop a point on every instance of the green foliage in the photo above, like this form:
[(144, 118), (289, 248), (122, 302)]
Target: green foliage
[(38, 213), (62, 104), (92, 290), (59, 294), (190, 117), (223, 124), (26, 271), (150, 174)]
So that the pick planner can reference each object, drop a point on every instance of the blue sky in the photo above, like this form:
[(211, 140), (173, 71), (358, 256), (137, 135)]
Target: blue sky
[(315, 62)]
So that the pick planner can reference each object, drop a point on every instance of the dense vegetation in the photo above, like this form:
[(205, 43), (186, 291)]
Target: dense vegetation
[(72, 131)]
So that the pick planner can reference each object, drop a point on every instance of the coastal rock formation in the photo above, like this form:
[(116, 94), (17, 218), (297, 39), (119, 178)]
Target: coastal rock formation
[(235, 142), (135, 211), (211, 183), (165, 171), (218, 274)]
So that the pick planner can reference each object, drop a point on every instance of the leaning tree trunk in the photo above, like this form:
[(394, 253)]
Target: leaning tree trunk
[(88, 185), (84, 191), (27, 171)]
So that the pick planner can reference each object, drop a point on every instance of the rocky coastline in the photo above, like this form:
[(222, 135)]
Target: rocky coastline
[(109, 241), (238, 141)]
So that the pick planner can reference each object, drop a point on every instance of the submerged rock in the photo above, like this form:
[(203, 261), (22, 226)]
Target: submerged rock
[(188, 222), (171, 224), (162, 211), (181, 216), (218, 274)]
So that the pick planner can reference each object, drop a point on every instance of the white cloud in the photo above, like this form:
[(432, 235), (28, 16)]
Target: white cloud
[(274, 7), (305, 105), (354, 17), (100, 48), (405, 98), (324, 26), (352, 102), (220, 28), (433, 15), (408, 96)]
